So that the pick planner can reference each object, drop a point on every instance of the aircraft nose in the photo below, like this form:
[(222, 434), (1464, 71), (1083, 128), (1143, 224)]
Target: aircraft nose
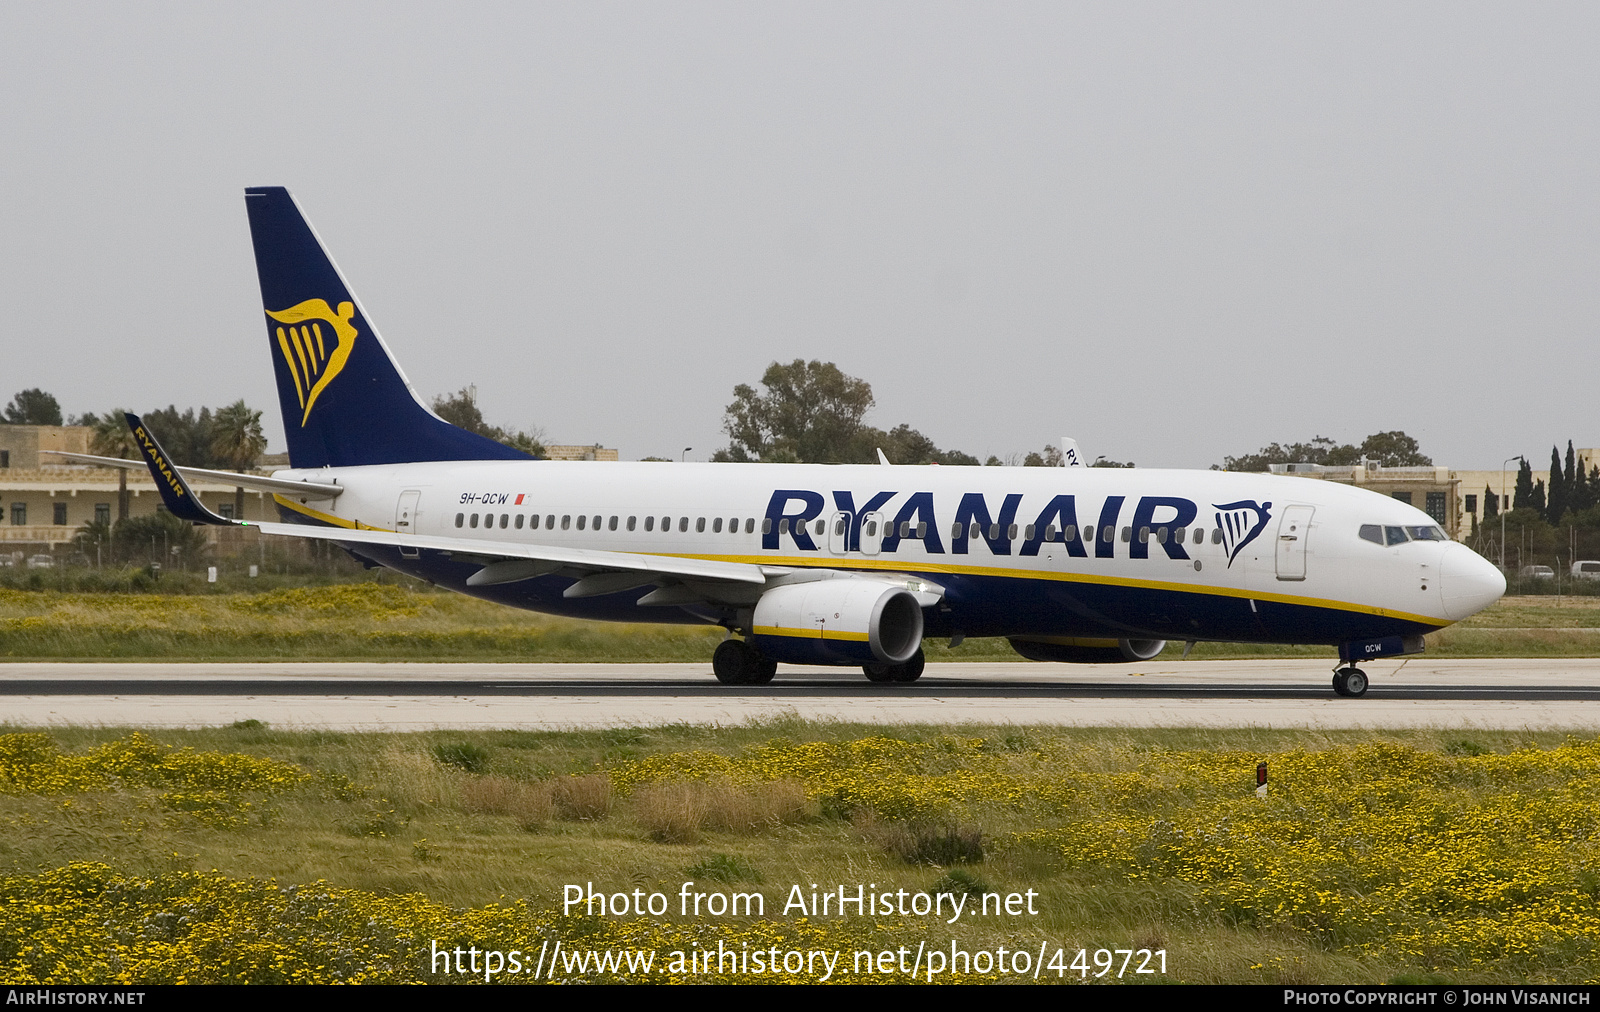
[(1469, 583)]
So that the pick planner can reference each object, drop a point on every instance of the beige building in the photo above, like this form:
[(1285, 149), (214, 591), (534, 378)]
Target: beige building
[(43, 500), (1454, 498), (595, 452), (1433, 490)]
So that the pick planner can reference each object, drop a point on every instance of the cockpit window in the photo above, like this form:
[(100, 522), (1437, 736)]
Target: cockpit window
[(1428, 533), (1372, 533), (1395, 536)]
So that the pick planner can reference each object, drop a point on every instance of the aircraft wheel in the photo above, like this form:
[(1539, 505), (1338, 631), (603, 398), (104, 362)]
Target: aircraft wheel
[(911, 670), (1355, 682), (879, 672), (762, 671), (734, 662), (1338, 682)]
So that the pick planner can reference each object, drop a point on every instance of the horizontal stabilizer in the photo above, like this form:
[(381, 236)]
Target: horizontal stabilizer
[(284, 486)]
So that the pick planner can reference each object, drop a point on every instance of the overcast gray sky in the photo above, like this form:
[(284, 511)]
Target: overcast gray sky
[(1173, 231)]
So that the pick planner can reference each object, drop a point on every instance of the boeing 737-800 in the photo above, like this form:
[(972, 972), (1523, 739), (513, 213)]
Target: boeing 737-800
[(820, 564)]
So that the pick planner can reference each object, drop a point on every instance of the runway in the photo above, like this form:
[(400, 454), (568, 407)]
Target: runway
[(1561, 694)]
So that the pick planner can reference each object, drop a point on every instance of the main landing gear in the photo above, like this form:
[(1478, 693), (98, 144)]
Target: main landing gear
[(910, 671), (737, 663), (1350, 682)]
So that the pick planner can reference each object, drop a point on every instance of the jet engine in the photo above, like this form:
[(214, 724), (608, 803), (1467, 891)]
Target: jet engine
[(842, 621)]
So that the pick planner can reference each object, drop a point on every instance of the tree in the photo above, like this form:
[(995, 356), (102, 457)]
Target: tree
[(236, 442), (811, 412), (461, 410), (1491, 504), (185, 435), (236, 437), (111, 437), (810, 409), (33, 407), (1524, 492), (1557, 503), (1390, 449)]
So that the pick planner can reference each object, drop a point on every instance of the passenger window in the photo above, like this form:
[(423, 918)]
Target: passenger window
[(838, 527), (633, 522), (1050, 532), (1029, 532), (783, 526), (582, 520), (649, 523), (1144, 536), (1127, 535), (1394, 535), (976, 532), (1216, 536), (750, 525), (518, 524), (1372, 533), (766, 525), (700, 526), (683, 525), (1011, 533), (956, 529), (1161, 535), (597, 523), (533, 522), (566, 521), (666, 525), (505, 521), (872, 528), (822, 527), (1178, 534), (994, 532), (905, 528), (461, 518), (1070, 533), (922, 529), (474, 521), (550, 522), (612, 525), (1108, 534), (716, 525)]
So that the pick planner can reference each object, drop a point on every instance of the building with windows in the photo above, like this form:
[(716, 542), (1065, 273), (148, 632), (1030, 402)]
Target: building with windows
[(595, 452), (1458, 500), (44, 501)]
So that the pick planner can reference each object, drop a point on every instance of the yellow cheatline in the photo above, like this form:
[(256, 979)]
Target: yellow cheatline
[(821, 632)]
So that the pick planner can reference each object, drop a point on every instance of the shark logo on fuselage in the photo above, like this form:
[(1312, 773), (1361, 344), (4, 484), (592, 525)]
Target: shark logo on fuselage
[(1241, 523), (312, 362)]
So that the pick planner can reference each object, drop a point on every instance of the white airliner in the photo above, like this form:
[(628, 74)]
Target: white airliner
[(821, 564)]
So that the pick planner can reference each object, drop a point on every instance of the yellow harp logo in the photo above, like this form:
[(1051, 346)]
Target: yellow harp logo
[(312, 362)]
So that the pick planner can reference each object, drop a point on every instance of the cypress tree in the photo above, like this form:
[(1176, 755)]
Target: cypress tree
[(1524, 496), (1491, 504), (1556, 500), (1537, 500)]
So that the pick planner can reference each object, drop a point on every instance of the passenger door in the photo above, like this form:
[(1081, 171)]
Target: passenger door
[(1294, 529)]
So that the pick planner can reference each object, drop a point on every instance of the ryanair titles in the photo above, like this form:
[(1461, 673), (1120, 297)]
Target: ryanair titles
[(808, 521)]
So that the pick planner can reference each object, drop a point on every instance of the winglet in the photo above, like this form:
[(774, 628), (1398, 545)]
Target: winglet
[(180, 501), (881, 458)]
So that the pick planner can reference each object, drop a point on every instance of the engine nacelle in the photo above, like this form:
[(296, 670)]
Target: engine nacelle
[(841, 621), (1075, 650)]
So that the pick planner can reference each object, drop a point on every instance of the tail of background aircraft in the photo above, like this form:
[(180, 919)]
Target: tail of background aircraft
[(345, 401)]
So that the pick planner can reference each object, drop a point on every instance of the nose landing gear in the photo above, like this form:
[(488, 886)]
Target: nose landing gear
[(1350, 682)]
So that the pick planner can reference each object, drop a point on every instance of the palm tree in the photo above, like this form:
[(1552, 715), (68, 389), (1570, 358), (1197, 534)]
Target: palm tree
[(236, 442), (112, 438)]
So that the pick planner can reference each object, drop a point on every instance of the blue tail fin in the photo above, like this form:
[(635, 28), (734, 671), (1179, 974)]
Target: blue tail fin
[(345, 401)]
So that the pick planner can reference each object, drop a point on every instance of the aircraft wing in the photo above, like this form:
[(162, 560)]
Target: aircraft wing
[(281, 486), (507, 562)]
